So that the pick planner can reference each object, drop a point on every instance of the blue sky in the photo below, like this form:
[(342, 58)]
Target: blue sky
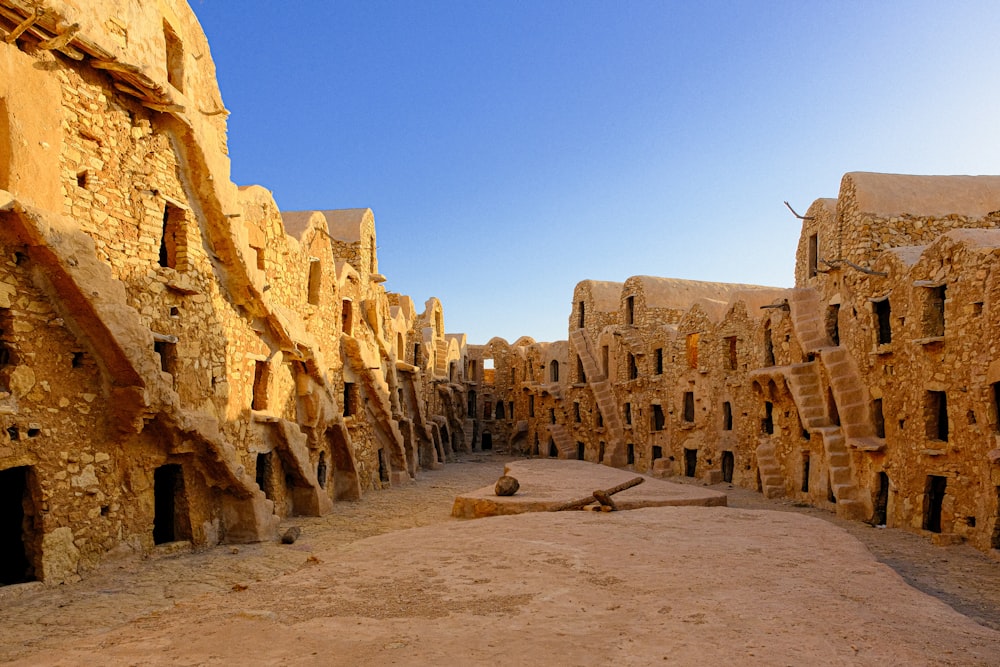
[(511, 149)]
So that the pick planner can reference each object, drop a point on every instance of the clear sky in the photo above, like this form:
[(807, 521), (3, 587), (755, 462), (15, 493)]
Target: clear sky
[(511, 149)]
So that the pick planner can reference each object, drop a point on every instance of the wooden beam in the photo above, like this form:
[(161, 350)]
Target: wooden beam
[(60, 40), (24, 25)]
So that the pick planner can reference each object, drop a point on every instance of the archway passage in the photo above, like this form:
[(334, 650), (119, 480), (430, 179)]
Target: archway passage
[(15, 514)]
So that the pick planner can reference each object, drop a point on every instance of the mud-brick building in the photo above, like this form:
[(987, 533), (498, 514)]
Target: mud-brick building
[(179, 361), (872, 387)]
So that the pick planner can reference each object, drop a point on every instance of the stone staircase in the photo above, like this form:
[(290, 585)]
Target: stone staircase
[(807, 391), (808, 319), (614, 453), (849, 393), (564, 441), (850, 499), (856, 427), (771, 480)]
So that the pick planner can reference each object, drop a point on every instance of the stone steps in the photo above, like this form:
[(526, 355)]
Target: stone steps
[(614, 453), (806, 311), (772, 480)]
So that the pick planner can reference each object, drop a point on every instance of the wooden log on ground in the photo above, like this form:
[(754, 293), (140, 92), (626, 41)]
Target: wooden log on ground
[(583, 502)]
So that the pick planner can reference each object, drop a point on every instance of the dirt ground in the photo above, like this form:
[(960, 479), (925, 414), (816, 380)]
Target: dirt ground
[(671, 585)]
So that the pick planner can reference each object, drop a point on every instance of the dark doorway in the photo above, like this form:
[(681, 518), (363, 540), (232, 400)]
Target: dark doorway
[(995, 543), (263, 474), (16, 515), (690, 462), (170, 519), (488, 438), (553, 450), (321, 470), (383, 467), (805, 472), (580, 451), (881, 500), (657, 452), (630, 454), (600, 453), (728, 465), (933, 498)]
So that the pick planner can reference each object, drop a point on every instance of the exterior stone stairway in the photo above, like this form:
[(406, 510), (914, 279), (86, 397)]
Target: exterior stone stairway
[(856, 424), (564, 441), (614, 454), (441, 358), (807, 319), (772, 482)]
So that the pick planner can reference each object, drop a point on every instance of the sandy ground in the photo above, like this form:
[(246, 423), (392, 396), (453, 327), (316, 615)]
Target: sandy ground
[(394, 580)]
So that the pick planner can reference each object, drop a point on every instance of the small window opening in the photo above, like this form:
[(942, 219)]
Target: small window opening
[(883, 316), (554, 371), (576, 412), (936, 415), (14, 433), (658, 363), (315, 281), (175, 312), (767, 423), (168, 356), (175, 57), (996, 405), (487, 409), (350, 399), (691, 346), (628, 413), (768, 346), (604, 360), (600, 419), (552, 415), (630, 454), (731, 357), (630, 310), (416, 354), (347, 317), (259, 252), (581, 311), (933, 319), (261, 378), (689, 406), (471, 404), (833, 323), (171, 238), (531, 406), (500, 410), (82, 179), (657, 417), (812, 258), (581, 374), (34, 432), (633, 367), (878, 417), (727, 416)]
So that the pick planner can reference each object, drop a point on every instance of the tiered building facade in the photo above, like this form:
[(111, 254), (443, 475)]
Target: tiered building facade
[(872, 387), (179, 360)]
